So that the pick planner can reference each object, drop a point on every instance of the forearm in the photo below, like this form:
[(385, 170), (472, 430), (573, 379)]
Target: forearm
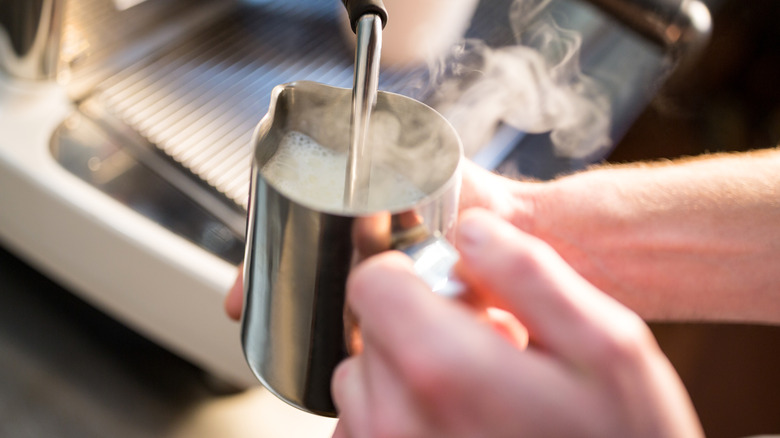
[(694, 240)]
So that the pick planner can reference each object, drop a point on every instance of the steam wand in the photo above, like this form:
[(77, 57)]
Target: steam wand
[(367, 18)]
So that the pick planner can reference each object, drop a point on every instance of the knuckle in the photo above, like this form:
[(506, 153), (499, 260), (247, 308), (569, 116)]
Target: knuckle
[(627, 344), (527, 260), (427, 374)]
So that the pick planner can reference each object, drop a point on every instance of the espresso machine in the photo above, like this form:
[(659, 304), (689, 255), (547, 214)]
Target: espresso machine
[(125, 131)]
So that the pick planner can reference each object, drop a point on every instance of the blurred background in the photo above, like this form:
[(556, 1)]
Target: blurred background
[(68, 370), (729, 101)]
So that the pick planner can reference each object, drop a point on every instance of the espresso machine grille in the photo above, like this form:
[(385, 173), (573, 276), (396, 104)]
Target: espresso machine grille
[(198, 100)]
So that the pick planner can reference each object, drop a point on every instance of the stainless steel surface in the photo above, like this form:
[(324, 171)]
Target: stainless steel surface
[(364, 87), (681, 26), (295, 329), (83, 41), (30, 32), (628, 68), (434, 260), (100, 38), (124, 172), (198, 101)]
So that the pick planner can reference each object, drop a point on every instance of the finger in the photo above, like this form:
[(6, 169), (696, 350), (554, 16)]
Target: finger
[(481, 188), (234, 301), (523, 275), (508, 326), (503, 322), (408, 324), (348, 391), (511, 200), (393, 410), (340, 431), (391, 301), (371, 234), (372, 397), (443, 355)]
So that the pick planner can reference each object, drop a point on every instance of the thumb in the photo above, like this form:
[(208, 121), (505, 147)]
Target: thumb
[(523, 275)]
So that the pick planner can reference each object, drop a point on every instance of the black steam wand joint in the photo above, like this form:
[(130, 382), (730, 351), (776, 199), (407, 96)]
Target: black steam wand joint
[(358, 8)]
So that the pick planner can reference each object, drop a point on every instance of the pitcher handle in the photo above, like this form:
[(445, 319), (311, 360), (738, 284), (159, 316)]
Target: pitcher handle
[(434, 260)]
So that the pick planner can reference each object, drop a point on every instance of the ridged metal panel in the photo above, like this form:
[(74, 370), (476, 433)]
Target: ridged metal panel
[(94, 30), (199, 100)]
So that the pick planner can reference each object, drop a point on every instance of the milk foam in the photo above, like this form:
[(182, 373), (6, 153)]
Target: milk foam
[(315, 176)]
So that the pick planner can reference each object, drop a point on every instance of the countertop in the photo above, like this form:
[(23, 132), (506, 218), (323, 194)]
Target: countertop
[(67, 370)]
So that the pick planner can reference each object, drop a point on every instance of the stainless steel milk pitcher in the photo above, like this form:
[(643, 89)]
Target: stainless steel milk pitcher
[(295, 328)]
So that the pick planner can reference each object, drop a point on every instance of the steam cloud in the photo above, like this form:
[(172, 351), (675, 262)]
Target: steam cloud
[(535, 86)]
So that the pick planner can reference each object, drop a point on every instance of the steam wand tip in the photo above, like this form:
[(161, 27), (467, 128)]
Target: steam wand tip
[(358, 8)]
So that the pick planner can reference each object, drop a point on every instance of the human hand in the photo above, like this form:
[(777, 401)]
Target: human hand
[(429, 367), (234, 300)]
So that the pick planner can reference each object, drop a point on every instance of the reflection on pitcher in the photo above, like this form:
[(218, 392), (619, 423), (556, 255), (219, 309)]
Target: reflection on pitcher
[(302, 240)]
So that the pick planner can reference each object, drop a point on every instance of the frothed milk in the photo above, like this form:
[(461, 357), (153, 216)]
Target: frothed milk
[(314, 175)]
